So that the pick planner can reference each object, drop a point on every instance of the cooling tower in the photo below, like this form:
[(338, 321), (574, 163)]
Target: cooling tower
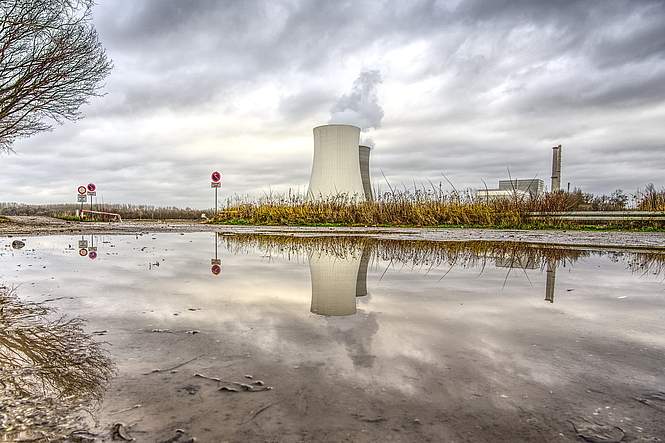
[(556, 169), (335, 168), (363, 152)]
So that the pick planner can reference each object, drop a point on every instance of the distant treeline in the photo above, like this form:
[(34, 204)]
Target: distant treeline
[(139, 212)]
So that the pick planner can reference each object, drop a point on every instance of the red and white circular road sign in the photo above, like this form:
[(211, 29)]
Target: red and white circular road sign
[(92, 187), (83, 252), (82, 190), (215, 177), (216, 269)]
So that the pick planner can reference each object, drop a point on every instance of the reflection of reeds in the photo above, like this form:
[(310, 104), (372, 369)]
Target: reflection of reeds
[(51, 371), (409, 252), (432, 254)]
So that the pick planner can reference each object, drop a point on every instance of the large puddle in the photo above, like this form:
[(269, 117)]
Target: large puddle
[(166, 337)]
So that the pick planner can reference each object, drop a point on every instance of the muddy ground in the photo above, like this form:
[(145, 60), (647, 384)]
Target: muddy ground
[(450, 361), (26, 225)]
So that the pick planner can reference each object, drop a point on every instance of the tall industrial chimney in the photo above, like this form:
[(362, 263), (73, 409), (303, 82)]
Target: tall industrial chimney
[(556, 169), (336, 168), (363, 152)]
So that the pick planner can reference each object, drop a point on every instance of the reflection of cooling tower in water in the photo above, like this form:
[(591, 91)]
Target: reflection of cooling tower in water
[(361, 281), (337, 280)]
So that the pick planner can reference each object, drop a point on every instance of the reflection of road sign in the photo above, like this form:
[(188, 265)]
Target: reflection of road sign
[(215, 185), (83, 252), (216, 269), (92, 255), (216, 177), (82, 198), (92, 187), (83, 244), (92, 249), (215, 261), (82, 190)]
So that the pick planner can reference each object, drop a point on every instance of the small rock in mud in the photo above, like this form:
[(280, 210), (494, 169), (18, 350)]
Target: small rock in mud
[(597, 433), (119, 433), (18, 244), (190, 389), (654, 399), (180, 437)]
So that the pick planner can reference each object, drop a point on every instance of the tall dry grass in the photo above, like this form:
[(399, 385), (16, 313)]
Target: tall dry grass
[(417, 207), (651, 199)]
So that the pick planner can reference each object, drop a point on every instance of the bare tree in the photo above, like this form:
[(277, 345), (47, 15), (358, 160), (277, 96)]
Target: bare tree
[(51, 63)]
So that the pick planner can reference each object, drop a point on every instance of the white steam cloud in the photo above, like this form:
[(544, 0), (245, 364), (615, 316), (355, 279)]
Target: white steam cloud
[(360, 107)]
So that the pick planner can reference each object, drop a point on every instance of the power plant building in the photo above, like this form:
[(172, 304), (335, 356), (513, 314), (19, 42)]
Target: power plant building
[(534, 186), (521, 188)]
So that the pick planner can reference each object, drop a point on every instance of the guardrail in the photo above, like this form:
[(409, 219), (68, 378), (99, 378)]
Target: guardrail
[(601, 215), (88, 211)]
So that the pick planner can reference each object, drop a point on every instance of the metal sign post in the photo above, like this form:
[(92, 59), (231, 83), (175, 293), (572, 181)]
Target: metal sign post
[(82, 198), (92, 191), (216, 182), (216, 263)]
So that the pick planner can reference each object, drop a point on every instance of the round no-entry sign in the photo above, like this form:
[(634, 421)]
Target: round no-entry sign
[(216, 177), (82, 190), (91, 187), (216, 269), (83, 252)]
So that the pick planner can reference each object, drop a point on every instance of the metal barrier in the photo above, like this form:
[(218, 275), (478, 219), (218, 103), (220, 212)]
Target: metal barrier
[(87, 211), (600, 215)]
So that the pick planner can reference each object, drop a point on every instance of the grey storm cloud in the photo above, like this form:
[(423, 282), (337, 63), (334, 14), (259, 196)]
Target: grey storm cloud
[(466, 88)]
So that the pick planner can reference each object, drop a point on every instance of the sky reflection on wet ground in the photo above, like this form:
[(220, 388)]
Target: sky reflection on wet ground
[(362, 338)]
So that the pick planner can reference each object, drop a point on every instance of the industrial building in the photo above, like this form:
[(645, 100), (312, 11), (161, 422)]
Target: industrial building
[(340, 166), (520, 188), (534, 186)]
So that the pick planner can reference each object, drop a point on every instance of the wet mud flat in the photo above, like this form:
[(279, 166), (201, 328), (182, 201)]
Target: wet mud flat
[(17, 226), (244, 337)]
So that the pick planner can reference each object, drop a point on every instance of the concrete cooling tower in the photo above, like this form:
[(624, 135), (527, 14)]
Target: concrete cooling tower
[(336, 165), (363, 152)]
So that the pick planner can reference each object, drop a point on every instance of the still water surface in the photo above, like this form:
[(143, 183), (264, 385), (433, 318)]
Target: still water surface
[(359, 339)]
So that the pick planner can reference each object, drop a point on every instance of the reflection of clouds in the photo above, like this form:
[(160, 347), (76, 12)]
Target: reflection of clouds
[(356, 335), (465, 334)]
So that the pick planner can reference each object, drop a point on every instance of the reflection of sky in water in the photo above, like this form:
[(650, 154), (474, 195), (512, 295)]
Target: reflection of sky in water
[(493, 320)]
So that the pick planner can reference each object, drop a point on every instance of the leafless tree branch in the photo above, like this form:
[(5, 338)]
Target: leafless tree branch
[(51, 63)]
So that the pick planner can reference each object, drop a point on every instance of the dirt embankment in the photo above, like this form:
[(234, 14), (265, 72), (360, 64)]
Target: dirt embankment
[(31, 226)]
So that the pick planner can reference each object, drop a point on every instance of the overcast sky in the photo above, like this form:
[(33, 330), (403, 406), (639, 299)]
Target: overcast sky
[(462, 88)]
